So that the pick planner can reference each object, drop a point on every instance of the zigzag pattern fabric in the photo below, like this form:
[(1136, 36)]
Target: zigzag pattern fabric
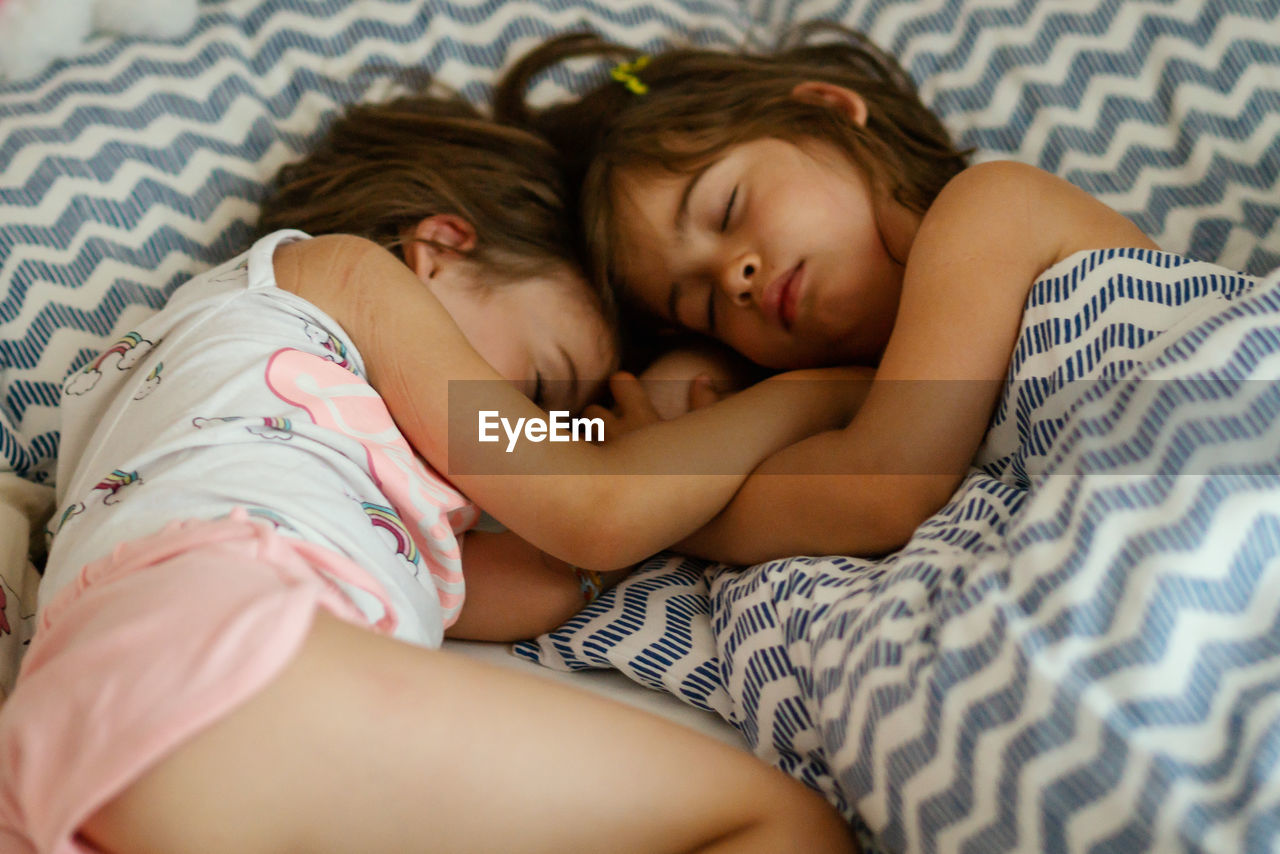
[(656, 628), (1055, 661), (139, 164), (1081, 651)]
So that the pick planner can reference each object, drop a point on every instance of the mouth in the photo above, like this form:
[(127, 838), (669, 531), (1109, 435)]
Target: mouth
[(781, 297)]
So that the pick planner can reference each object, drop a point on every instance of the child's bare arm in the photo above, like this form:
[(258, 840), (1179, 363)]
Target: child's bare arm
[(517, 591), (677, 382), (414, 354), (864, 489)]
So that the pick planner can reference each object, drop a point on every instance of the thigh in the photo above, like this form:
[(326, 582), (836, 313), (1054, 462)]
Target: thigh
[(367, 744)]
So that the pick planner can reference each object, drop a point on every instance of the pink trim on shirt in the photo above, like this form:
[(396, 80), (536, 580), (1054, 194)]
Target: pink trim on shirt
[(338, 400)]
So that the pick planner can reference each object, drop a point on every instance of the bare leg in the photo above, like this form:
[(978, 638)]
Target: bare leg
[(366, 744)]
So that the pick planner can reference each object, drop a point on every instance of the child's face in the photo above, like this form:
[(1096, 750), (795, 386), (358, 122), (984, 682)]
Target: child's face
[(784, 251), (546, 335)]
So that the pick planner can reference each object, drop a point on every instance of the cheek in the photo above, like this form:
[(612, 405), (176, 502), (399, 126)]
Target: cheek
[(599, 359)]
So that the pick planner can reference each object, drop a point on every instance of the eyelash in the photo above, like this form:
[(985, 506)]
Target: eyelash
[(728, 210), (724, 226)]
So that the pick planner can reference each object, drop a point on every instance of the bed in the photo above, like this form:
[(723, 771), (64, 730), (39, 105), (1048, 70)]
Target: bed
[(948, 698)]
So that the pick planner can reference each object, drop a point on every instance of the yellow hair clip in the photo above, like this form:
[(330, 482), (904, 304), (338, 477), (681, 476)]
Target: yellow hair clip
[(625, 73)]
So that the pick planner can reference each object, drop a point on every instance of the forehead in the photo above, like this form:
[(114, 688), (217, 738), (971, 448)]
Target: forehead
[(643, 234), (583, 335), (556, 323), (645, 199), (563, 310), (562, 293)]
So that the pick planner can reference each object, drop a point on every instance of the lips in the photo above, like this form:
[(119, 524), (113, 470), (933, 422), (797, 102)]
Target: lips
[(781, 296)]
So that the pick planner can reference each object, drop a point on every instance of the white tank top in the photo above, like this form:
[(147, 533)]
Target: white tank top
[(240, 394)]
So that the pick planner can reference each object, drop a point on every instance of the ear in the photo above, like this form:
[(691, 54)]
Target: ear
[(839, 98), (435, 242)]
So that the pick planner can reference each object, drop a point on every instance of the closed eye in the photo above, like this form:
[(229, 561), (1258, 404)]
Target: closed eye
[(728, 210)]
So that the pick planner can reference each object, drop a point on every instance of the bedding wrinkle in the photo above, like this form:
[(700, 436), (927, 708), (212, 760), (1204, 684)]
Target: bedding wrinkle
[(1113, 547), (137, 164)]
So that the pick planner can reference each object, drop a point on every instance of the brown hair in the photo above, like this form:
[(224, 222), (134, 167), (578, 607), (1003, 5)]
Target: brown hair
[(379, 169), (697, 102)]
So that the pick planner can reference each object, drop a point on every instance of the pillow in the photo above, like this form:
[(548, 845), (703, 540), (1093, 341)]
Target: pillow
[(137, 164)]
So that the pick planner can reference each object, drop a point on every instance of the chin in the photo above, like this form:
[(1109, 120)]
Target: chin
[(796, 361)]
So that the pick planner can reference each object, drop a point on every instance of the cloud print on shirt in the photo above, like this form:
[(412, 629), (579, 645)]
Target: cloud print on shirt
[(123, 355)]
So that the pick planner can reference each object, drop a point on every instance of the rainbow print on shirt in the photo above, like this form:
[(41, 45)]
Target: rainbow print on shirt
[(73, 510), (114, 482), (150, 383), (386, 519), (433, 512), (336, 348), (124, 354), (268, 427)]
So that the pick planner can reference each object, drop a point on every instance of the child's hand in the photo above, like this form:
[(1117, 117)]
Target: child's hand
[(691, 377), (635, 406), (632, 408)]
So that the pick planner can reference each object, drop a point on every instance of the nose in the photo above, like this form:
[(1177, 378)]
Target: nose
[(739, 276)]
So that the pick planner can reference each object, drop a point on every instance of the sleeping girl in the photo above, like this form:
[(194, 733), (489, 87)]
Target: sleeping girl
[(263, 493), (805, 208)]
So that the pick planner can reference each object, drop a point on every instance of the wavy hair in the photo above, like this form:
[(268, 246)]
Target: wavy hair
[(694, 103), (379, 169)]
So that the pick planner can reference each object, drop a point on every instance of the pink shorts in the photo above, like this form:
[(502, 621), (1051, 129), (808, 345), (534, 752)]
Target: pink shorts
[(147, 647)]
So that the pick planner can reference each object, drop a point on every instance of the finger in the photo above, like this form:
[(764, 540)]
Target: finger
[(632, 400), (611, 423), (618, 380), (701, 392)]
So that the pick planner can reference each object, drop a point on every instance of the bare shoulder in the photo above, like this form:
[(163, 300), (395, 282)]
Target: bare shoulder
[(1025, 209), (396, 323), (990, 233), (318, 268), (364, 287)]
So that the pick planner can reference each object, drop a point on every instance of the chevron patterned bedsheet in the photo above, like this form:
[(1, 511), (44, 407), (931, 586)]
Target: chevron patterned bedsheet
[(1081, 651), (137, 164)]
